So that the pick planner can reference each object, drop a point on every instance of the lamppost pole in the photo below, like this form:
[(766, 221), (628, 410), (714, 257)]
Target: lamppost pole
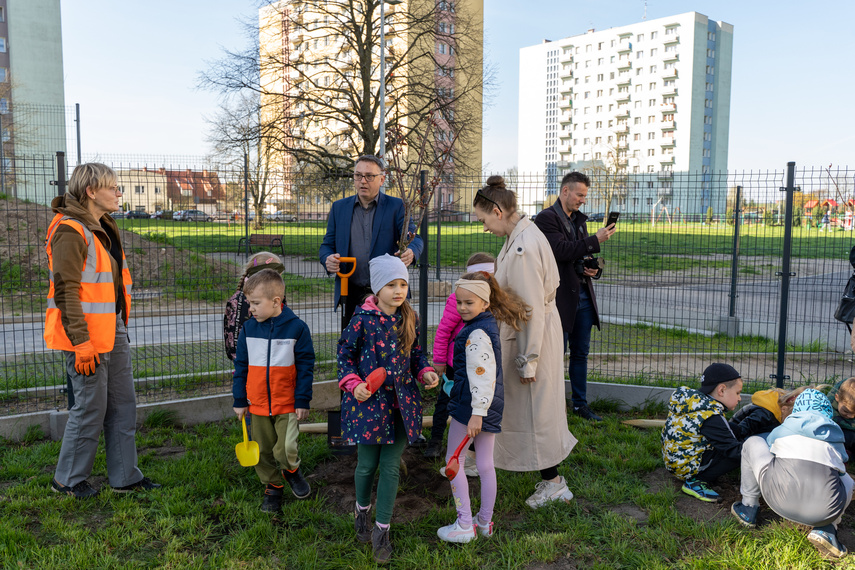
[(383, 80)]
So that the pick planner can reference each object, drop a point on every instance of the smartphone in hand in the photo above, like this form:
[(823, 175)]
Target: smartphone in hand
[(612, 219)]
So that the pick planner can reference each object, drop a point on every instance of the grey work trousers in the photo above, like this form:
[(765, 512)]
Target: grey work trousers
[(798, 497), (103, 401)]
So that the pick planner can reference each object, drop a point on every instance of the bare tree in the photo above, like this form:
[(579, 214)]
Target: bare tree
[(316, 75)]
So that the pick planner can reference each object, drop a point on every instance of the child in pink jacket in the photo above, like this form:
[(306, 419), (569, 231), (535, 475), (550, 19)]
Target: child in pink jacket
[(443, 356)]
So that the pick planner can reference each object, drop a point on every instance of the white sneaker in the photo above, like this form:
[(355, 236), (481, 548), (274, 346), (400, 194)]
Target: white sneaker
[(469, 471), (453, 533), (547, 491), (485, 530)]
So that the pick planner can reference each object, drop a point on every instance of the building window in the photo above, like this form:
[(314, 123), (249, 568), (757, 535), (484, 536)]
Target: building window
[(639, 38), (4, 75), (636, 121), (652, 69), (2, 45), (4, 106), (2, 14), (711, 36), (651, 152), (651, 120), (139, 189), (651, 102), (707, 120), (653, 51), (651, 136), (706, 153), (711, 53), (671, 31), (157, 189)]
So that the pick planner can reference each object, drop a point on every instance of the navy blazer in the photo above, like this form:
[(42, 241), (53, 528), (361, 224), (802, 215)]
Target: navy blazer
[(385, 233)]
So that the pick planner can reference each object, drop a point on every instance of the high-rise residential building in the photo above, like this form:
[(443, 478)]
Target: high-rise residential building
[(32, 94), (641, 102), (312, 73)]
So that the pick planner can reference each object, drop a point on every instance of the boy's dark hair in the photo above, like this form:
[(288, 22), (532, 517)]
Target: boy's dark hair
[(267, 282)]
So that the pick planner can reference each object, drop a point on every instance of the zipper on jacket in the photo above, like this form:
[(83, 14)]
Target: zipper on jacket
[(267, 372)]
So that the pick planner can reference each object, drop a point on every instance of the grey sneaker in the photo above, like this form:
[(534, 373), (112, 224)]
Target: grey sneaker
[(546, 492), (381, 545), (360, 523)]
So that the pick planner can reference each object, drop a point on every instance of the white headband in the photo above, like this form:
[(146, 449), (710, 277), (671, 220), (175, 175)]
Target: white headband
[(480, 288), (488, 267)]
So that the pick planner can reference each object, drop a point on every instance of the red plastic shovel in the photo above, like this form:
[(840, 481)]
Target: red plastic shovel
[(453, 465), (376, 379)]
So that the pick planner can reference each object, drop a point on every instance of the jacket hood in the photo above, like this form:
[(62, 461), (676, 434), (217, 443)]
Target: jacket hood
[(688, 400), (283, 318), (768, 400), (813, 401), (369, 307), (810, 424)]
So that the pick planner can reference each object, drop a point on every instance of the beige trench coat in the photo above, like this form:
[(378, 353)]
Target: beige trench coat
[(534, 432)]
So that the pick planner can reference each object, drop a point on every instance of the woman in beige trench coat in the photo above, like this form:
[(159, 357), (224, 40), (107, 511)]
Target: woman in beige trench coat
[(534, 433)]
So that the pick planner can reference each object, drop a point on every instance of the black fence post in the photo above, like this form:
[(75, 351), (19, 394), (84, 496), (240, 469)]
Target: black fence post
[(438, 238), (77, 121), (423, 267), (785, 275), (734, 266), (60, 190), (246, 202)]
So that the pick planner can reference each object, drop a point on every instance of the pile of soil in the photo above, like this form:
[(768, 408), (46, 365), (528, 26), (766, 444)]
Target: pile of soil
[(24, 266)]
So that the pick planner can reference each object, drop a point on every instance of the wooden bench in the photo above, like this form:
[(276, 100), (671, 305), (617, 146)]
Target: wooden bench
[(262, 240)]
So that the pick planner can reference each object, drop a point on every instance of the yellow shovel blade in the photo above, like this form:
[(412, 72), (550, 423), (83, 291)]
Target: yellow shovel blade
[(247, 451)]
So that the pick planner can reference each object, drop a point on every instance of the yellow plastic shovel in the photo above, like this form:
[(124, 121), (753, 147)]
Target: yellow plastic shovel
[(247, 451)]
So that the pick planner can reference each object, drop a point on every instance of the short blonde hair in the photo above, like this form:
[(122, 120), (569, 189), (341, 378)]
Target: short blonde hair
[(90, 175), (267, 283)]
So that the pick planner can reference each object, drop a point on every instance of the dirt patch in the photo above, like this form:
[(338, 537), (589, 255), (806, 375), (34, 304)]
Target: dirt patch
[(165, 452), (566, 563), (421, 487), (632, 512)]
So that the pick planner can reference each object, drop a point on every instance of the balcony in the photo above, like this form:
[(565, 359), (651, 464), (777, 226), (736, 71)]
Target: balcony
[(664, 192), (669, 74), (671, 39), (296, 36), (565, 72), (667, 159), (622, 129), (667, 125), (668, 107), (668, 143), (669, 92), (622, 97), (666, 174), (624, 64), (673, 56), (566, 88), (622, 113), (621, 162), (565, 57), (624, 81)]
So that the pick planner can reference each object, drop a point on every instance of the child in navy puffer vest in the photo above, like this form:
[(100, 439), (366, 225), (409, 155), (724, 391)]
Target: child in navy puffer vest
[(477, 398)]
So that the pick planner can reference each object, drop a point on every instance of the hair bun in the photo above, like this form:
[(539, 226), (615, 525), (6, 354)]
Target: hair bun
[(496, 181)]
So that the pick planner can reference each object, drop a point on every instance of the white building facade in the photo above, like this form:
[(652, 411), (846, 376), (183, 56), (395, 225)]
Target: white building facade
[(647, 103)]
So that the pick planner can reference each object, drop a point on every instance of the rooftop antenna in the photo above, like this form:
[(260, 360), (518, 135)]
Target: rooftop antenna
[(644, 17)]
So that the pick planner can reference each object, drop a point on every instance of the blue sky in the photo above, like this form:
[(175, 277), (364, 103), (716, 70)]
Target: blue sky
[(132, 66)]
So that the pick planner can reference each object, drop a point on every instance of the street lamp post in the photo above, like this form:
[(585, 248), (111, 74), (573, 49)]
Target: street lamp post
[(383, 78)]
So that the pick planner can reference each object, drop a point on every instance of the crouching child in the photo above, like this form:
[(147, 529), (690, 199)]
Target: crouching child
[(802, 476), (698, 444)]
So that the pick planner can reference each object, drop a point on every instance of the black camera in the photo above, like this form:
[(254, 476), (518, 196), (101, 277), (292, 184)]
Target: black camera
[(589, 262)]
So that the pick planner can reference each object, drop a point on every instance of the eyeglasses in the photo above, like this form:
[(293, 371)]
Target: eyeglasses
[(480, 194), (369, 177)]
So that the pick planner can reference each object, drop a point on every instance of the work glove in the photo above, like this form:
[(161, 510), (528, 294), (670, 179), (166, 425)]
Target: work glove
[(86, 359)]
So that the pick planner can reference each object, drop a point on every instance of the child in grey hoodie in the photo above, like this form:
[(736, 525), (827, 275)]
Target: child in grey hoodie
[(802, 476)]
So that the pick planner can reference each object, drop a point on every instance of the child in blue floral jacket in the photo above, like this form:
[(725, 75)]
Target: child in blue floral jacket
[(383, 333)]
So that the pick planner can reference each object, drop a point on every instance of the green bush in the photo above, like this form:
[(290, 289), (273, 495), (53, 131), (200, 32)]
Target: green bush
[(709, 215)]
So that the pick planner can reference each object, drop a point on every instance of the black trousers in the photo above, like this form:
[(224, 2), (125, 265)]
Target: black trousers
[(714, 464), (355, 296)]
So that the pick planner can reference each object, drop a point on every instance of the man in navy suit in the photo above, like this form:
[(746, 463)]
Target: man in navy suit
[(565, 229), (365, 226)]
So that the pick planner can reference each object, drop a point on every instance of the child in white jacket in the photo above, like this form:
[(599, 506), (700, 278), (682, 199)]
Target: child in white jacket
[(802, 476)]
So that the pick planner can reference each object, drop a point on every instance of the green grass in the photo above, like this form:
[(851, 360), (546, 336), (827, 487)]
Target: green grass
[(207, 516)]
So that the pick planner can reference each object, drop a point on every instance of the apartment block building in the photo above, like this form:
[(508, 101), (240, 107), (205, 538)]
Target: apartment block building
[(648, 103), (311, 75), (32, 95)]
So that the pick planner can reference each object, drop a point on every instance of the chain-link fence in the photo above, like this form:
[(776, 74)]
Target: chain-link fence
[(689, 278)]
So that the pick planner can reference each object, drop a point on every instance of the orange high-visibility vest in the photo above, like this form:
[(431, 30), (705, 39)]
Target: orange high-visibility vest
[(97, 292)]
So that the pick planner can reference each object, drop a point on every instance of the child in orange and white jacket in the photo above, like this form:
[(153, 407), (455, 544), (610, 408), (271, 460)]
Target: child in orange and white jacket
[(274, 367)]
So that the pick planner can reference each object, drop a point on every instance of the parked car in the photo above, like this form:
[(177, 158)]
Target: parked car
[(598, 217), (176, 215), (119, 215), (280, 216), (196, 216), (163, 214), (137, 214), (223, 215)]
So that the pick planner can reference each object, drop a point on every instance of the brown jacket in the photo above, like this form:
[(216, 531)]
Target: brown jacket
[(69, 257)]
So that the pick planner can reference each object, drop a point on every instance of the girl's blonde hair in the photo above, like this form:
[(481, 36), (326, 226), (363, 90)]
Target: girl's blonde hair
[(506, 306), (406, 328), (90, 175)]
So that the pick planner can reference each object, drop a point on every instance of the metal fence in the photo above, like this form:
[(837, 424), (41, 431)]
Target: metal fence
[(690, 277)]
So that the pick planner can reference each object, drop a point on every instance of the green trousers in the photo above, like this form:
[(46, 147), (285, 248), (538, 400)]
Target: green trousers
[(386, 459), (277, 444)]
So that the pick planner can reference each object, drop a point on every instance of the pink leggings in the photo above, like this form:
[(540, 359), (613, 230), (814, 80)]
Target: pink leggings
[(484, 443)]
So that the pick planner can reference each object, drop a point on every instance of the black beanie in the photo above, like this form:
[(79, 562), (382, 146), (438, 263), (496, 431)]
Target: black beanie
[(715, 374)]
